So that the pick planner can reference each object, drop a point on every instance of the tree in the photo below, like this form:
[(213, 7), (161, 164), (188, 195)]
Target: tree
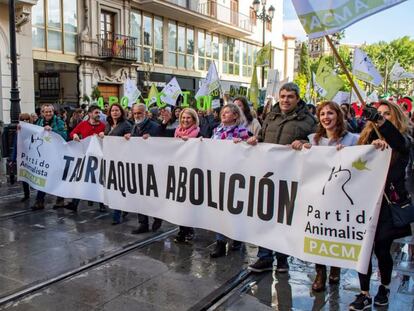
[(304, 63)]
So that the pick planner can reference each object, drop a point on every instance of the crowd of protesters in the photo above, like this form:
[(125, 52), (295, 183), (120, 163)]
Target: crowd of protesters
[(290, 121)]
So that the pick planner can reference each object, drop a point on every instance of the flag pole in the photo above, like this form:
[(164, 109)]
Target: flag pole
[(348, 75)]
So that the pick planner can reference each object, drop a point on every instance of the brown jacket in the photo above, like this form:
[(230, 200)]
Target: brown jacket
[(284, 129)]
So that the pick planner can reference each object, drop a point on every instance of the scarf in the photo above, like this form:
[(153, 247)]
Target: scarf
[(191, 132)]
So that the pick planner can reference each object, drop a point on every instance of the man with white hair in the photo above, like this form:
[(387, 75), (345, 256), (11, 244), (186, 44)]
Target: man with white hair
[(144, 127)]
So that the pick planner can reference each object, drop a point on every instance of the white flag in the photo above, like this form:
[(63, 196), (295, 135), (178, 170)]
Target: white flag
[(171, 92), (317, 87), (341, 98), (373, 97), (273, 79), (211, 83), (398, 73), (131, 91), (364, 69), (354, 97)]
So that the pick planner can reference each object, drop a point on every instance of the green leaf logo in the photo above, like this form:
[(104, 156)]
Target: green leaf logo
[(360, 165), (47, 139)]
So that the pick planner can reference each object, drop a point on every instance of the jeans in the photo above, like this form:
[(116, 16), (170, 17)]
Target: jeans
[(264, 253)]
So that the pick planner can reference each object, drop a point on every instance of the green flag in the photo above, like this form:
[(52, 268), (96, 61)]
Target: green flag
[(152, 95), (263, 56), (327, 80), (254, 89)]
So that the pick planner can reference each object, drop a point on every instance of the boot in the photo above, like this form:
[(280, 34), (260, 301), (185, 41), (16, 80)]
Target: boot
[(39, 204), (143, 228), (219, 250), (236, 246), (70, 206), (320, 279), (334, 275), (156, 224), (60, 202)]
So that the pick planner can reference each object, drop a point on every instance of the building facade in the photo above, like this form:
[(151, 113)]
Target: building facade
[(70, 51), (24, 57)]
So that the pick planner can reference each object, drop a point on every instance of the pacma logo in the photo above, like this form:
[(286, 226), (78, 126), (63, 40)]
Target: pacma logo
[(37, 142)]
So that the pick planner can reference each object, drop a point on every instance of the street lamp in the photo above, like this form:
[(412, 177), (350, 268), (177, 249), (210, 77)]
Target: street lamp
[(264, 17)]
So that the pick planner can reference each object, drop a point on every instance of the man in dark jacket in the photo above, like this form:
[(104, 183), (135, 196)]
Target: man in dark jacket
[(144, 127), (289, 120), (50, 122)]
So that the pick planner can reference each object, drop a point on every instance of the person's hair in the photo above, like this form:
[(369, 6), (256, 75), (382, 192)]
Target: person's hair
[(236, 110), (25, 116), (340, 126), (139, 106), (246, 109), (397, 118), (47, 106), (90, 109), (193, 115), (173, 117), (291, 87), (109, 117)]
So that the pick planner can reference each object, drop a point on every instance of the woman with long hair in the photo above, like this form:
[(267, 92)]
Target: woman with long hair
[(117, 125), (250, 122), (331, 131), (188, 127), (393, 128)]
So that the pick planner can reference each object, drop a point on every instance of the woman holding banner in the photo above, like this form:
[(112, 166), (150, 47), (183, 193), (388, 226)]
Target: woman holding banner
[(332, 131), (117, 125), (229, 129), (188, 127), (393, 126)]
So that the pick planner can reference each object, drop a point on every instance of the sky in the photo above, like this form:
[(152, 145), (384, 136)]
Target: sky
[(387, 25)]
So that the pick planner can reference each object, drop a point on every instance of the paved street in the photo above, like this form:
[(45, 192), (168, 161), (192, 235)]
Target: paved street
[(58, 260)]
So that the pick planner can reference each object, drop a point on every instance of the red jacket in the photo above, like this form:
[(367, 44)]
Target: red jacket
[(85, 129)]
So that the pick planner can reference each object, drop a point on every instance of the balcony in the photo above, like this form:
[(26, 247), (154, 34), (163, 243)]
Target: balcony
[(117, 47), (209, 15)]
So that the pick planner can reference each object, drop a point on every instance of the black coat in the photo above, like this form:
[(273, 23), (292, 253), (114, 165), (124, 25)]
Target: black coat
[(147, 127), (400, 146)]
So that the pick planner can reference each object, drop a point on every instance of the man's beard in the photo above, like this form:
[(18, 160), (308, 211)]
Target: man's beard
[(139, 121)]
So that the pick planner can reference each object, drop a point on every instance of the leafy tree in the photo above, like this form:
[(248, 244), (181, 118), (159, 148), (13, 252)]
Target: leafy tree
[(304, 63)]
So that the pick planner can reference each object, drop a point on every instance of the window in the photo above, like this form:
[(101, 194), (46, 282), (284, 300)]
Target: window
[(108, 24), (253, 17), (249, 52), (49, 84), (231, 56), (136, 31), (152, 30), (234, 12), (58, 31), (208, 49), (180, 46), (269, 25)]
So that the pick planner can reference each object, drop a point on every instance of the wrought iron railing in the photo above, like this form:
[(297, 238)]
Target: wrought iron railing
[(217, 11), (117, 46)]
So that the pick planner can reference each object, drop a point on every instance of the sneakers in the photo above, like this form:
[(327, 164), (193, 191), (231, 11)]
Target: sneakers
[(381, 298), (184, 235), (282, 265), (361, 302), (262, 265)]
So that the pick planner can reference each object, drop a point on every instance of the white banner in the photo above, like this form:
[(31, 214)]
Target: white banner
[(273, 80), (320, 18), (131, 91), (211, 82), (398, 73), (171, 92), (319, 205), (364, 69)]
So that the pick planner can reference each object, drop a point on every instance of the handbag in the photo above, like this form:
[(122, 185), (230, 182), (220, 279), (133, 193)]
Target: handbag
[(402, 213)]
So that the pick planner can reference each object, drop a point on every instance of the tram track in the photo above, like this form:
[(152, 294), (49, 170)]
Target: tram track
[(17, 295)]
